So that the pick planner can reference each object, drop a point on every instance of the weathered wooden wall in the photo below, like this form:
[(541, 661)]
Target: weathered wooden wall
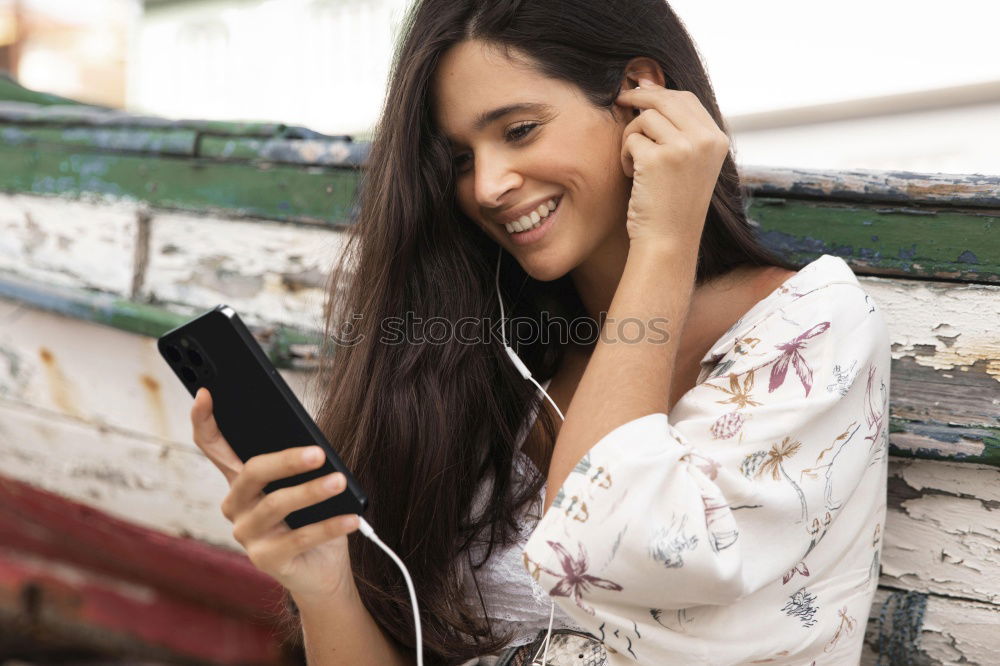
[(111, 234)]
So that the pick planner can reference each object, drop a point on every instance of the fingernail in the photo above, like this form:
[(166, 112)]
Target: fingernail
[(312, 454), (332, 482), (646, 83)]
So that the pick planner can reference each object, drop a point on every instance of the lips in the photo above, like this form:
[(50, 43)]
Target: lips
[(513, 216)]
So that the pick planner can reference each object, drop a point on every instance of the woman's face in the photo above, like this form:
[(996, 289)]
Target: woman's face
[(562, 148)]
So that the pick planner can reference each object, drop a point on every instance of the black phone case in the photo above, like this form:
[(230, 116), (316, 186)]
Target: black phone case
[(254, 407)]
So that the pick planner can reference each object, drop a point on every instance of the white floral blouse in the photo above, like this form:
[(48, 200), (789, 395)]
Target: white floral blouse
[(745, 526)]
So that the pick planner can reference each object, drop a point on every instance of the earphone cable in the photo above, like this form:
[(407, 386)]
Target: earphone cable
[(367, 530), (526, 373)]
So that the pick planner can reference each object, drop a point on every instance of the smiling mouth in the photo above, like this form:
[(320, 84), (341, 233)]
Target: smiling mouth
[(535, 219)]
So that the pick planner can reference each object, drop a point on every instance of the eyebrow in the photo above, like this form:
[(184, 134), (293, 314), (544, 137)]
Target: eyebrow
[(487, 117)]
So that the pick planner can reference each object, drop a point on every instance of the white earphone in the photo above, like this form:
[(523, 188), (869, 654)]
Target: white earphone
[(367, 530), (523, 369)]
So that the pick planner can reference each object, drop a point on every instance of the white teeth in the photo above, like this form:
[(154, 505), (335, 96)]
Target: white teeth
[(533, 220)]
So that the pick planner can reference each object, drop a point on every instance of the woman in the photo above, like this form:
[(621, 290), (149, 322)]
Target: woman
[(691, 495)]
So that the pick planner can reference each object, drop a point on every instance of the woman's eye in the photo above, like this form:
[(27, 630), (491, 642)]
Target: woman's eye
[(517, 133)]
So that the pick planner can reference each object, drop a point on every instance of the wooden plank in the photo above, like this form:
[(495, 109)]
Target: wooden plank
[(163, 485), (314, 195), (878, 231), (116, 139), (267, 272), (942, 529), (78, 610), (183, 141), (874, 186), (322, 150), (86, 572), (49, 361), (49, 525), (286, 346), (80, 244), (946, 367), (955, 632), (893, 240)]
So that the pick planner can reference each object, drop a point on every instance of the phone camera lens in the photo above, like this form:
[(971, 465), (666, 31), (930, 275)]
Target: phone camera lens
[(172, 353), (188, 375), (195, 357)]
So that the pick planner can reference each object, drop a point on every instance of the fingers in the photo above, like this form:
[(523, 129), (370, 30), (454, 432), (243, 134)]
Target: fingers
[(269, 554), (208, 437), (272, 509), (681, 107), (634, 148), (656, 127), (672, 119), (261, 470)]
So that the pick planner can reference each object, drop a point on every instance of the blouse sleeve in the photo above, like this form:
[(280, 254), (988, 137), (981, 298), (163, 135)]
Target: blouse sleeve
[(733, 494)]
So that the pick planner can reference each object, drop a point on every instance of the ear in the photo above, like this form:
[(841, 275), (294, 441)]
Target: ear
[(645, 68), (637, 68)]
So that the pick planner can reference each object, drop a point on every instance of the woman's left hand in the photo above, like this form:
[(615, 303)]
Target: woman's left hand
[(673, 151)]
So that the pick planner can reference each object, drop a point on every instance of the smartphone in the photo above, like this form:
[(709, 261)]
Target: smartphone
[(256, 410)]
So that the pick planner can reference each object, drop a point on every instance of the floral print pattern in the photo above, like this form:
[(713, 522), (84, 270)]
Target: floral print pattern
[(751, 500), (573, 580)]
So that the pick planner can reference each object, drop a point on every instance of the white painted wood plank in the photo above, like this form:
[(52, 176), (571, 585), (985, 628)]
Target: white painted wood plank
[(159, 484), (947, 326), (98, 374), (267, 271), (942, 530), (87, 244)]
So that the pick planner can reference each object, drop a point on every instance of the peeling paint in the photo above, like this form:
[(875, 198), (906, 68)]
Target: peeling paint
[(916, 311)]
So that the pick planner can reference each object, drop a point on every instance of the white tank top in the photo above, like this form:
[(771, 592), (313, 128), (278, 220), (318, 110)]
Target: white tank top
[(513, 600)]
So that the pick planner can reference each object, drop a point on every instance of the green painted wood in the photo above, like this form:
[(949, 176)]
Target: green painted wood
[(286, 147), (884, 240), (316, 195), (282, 343), (116, 139), (324, 151), (874, 239)]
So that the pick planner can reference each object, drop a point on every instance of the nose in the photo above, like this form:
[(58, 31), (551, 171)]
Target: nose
[(495, 176)]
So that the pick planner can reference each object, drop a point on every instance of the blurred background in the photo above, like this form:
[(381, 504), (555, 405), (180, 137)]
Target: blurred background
[(852, 84), (216, 158)]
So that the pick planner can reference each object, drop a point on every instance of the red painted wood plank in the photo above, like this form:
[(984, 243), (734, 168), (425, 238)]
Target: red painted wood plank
[(94, 570), (127, 614), (40, 522)]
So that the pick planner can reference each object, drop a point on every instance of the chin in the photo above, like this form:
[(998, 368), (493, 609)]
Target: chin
[(545, 269)]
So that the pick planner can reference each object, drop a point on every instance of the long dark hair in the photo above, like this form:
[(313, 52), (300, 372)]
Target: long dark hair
[(422, 426)]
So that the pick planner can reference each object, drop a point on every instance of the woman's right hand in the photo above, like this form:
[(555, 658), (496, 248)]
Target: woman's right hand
[(311, 561)]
